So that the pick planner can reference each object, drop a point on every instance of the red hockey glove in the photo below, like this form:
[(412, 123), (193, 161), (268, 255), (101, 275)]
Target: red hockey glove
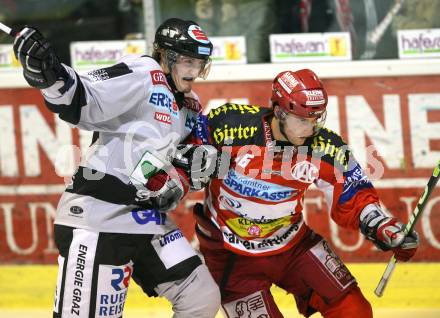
[(387, 233), (167, 189), (391, 232)]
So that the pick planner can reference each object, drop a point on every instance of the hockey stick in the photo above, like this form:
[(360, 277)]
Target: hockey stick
[(409, 227), (374, 36), (7, 29)]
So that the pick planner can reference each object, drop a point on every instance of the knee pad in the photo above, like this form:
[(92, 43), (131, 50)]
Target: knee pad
[(195, 296)]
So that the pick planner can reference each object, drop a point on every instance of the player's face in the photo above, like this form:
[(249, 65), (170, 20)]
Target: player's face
[(185, 71), (296, 129)]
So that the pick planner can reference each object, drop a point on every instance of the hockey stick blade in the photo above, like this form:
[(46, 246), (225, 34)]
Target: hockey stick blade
[(7, 29), (409, 227)]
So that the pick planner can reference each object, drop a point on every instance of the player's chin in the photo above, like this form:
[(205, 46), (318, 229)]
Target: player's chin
[(298, 141), (185, 85)]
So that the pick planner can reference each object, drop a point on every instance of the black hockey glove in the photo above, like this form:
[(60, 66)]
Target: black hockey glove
[(387, 233), (41, 67), (199, 163)]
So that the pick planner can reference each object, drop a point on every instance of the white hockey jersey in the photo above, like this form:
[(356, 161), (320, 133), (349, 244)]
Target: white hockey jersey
[(132, 111)]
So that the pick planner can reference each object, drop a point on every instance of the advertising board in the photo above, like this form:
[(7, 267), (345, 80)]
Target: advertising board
[(394, 121)]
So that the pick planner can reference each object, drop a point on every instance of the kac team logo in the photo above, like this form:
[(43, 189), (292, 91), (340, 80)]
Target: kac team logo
[(305, 171), (122, 279)]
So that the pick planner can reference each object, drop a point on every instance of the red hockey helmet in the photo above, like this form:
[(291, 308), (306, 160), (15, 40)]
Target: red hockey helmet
[(300, 93)]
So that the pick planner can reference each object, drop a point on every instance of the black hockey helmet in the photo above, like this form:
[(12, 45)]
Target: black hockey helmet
[(184, 37)]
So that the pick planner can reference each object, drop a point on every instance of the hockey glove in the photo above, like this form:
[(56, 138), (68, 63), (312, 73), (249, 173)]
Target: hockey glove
[(199, 163), (167, 189), (41, 67), (387, 233)]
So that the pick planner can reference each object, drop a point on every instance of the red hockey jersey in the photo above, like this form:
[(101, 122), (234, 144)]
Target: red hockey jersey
[(256, 200)]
